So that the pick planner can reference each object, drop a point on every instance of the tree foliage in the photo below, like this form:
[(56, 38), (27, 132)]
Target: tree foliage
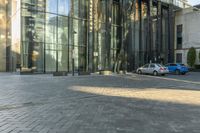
[(191, 56)]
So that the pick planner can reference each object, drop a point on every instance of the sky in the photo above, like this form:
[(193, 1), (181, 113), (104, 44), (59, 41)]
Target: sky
[(194, 2)]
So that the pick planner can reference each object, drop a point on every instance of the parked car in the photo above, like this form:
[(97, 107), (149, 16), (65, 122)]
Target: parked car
[(153, 68), (177, 68)]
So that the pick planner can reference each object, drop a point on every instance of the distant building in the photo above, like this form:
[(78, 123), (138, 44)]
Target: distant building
[(187, 33)]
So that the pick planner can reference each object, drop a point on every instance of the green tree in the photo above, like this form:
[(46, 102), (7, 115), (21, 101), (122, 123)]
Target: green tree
[(191, 56)]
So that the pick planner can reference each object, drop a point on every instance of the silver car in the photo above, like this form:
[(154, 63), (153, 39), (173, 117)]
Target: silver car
[(153, 68)]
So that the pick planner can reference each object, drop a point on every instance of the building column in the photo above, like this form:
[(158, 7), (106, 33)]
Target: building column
[(171, 26), (150, 32), (108, 33), (90, 36), (140, 29), (159, 31)]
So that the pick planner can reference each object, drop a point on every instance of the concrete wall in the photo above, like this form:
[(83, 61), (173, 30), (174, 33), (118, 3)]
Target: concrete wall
[(190, 20)]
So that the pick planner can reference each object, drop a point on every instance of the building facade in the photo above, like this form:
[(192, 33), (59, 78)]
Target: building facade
[(187, 34), (88, 35), (3, 33)]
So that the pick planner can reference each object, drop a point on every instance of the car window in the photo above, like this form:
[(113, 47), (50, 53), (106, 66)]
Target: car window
[(152, 66), (182, 65), (146, 66)]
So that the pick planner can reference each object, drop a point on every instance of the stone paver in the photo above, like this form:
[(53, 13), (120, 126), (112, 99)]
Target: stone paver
[(99, 104)]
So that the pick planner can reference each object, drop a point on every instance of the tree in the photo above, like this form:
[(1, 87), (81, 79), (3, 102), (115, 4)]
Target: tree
[(191, 56)]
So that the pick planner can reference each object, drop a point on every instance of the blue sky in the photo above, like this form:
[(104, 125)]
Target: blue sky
[(194, 2)]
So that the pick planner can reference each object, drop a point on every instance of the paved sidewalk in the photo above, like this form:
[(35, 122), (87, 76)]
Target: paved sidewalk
[(98, 104)]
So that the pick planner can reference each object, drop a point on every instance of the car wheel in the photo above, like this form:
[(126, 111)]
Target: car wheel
[(183, 73), (177, 72), (163, 74), (155, 73), (139, 72)]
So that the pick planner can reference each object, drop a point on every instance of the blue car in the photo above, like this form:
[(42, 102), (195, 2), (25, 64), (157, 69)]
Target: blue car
[(177, 68)]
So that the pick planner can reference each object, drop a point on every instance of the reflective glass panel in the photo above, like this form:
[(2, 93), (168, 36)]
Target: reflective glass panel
[(51, 6), (64, 7)]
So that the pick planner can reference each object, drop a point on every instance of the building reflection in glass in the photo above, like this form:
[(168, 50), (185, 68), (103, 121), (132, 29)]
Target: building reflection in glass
[(3, 25), (99, 34)]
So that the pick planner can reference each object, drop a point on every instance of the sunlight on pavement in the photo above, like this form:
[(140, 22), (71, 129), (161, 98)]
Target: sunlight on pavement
[(191, 97)]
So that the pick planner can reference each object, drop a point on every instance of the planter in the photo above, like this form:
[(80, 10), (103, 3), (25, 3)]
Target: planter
[(26, 71), (105, 72)]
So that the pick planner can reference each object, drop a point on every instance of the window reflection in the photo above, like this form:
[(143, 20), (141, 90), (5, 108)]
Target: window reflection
[(64, 7), (99, 34), (34, 4), (51, 6), (51, 42), (79, 44), (32, 40)]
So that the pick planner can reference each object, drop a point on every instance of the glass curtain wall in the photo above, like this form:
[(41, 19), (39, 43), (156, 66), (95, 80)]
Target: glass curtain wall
[(154, 19), (5, 34), (52, 32), (93, 35), (100, 31), (104, 25), (115, 33), (79, 36), (165, 36), (134, 15), (144, 42), (136, 35), (146, 32), (33, 31)]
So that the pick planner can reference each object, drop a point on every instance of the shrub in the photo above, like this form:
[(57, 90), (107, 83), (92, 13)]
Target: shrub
[(191, 56)]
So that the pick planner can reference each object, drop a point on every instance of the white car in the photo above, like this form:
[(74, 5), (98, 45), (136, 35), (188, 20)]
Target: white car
[(153, 68)]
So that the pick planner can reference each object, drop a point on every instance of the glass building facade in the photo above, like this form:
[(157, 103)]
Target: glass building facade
[(90, 35)]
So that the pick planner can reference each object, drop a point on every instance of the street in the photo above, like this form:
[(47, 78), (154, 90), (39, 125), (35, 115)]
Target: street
[(99, 104)]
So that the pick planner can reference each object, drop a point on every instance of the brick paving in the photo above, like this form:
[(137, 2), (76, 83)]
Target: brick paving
[(99, 104)]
